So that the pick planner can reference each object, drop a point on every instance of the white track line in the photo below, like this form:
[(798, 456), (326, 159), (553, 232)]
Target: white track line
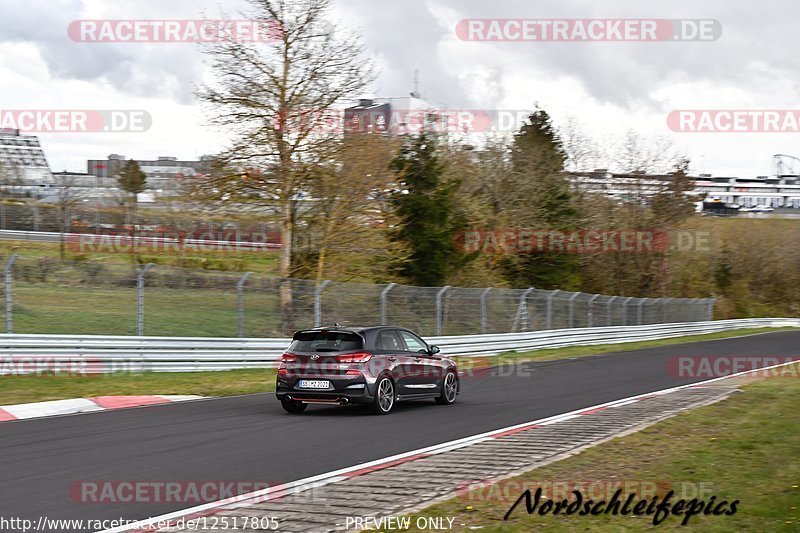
[(342, 474)]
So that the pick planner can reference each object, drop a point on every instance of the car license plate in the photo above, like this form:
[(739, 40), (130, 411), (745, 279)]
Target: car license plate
[(314, 384)]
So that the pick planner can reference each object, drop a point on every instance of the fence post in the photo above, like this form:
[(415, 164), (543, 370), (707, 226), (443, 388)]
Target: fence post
[(240, 304), (439, 309), (610, 310), (384, 293), (522, 312), (664, 303), (639, 310), (484, 294), (550, 308), (318, 302), (590, 318), (625, 310), (7, 285), (140, 298), (572, 309)]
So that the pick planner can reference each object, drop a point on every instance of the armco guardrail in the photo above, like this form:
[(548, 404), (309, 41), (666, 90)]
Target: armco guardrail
[(98, 354)]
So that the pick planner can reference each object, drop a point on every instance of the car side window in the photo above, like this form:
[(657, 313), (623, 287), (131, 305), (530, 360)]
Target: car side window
[(389, 341), (414, 343)]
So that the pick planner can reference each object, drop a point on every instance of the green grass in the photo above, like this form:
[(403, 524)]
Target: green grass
[(168, 312), (746, 448), (261, 262), (24, 389)]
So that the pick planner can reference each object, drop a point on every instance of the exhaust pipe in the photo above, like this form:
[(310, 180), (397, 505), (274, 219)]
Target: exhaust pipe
[(344, 401)]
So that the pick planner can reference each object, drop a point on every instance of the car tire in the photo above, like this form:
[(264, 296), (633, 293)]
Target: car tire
[(293, 406), (449, 389), (385, 396)]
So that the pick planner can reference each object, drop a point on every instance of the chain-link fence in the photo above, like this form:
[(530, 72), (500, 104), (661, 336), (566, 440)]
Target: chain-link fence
[(45, 295)]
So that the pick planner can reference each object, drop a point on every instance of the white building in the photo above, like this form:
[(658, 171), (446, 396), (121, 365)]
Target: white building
[(23, 162), (781, 191)]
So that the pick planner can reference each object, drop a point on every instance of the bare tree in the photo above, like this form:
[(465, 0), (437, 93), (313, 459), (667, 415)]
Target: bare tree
[(639, 155), (276, 99), (67, 197), (350, 213)]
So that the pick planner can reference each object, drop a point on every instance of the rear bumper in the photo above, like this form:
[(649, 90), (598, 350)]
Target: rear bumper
[(343, 391)]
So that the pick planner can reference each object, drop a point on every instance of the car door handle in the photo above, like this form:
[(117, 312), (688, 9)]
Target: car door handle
[(417, 359), (393, 358)]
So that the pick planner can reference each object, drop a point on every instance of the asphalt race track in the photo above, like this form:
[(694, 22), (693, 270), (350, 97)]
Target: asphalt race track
[(250, 438)]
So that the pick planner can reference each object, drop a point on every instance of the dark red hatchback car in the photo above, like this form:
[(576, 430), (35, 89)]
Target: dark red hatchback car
[(378, 366)]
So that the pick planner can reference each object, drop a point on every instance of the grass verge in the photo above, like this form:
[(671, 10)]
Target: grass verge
[(24, 389), (745, 448)]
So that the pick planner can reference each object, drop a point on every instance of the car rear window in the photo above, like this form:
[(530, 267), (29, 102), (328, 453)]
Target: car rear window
[(326, 341)]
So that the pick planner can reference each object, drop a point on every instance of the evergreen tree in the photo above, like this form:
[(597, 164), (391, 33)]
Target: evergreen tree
[(132, 180), (426, 208), (537, 158)]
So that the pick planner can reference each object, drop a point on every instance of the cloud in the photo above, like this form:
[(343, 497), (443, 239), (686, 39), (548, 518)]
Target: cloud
[(608, 86)]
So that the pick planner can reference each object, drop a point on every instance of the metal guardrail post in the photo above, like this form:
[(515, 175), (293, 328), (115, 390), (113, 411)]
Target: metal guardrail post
[(484, 294), (610, 310), (439, 309), (625, 310), (240, 304), (9, 292), (140, 298), (318, 302), (590, 317), (550, 308), (572, 309), (384, 293)]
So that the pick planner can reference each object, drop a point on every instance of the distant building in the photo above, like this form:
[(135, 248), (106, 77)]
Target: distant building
[(402, 115), (164, 173), (774, 191), (23, 159)]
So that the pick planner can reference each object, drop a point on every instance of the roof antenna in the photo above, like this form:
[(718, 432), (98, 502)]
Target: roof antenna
[(415, 93)]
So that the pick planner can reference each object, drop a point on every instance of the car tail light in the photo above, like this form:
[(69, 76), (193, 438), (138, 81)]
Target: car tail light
[(353, 372), (283, 372), (288, 357), (354, 357)]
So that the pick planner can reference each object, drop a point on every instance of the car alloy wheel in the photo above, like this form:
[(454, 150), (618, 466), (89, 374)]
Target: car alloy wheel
[(449, 389), (384, 396)]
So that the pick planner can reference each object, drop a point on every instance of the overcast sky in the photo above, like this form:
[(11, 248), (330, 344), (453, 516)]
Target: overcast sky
[(608, 87)]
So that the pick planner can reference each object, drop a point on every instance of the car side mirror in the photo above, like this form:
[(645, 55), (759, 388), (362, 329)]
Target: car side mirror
[(435, 350)]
